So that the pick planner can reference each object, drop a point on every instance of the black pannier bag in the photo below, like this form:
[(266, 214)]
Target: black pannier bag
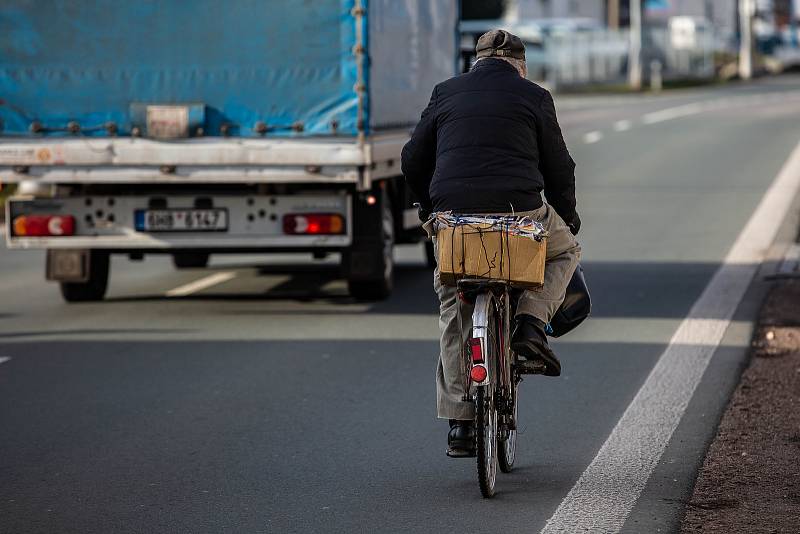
[(576, 306)]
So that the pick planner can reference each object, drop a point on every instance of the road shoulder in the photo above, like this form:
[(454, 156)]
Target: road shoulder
[(661, 506), (665, 500), (750, 477)]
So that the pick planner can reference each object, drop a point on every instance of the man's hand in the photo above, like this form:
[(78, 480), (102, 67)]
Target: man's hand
[(422, 212), (574, 224)]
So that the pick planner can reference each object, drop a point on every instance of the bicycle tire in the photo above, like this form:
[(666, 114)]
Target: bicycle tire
[(507, 448), (486, 412), (486, 433)]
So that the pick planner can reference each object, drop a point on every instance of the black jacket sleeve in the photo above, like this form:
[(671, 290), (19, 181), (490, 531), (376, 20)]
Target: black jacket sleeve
[(555, 162), (419, 154)]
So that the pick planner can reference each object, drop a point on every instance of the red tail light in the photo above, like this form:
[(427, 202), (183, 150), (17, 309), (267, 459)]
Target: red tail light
[(313, 223), (44, 225), (478, 373), (475, 350)]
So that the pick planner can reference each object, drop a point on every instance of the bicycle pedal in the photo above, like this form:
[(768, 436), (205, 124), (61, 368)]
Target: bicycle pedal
[(530, 368), (461, 453)]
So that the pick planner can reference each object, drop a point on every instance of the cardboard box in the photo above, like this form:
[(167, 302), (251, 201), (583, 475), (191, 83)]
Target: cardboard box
[(479, 251)]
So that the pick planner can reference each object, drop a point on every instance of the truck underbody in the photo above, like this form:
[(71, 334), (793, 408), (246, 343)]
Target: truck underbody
[(83, 200)]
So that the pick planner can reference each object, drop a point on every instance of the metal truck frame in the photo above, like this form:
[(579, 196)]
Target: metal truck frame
[(100, 183)]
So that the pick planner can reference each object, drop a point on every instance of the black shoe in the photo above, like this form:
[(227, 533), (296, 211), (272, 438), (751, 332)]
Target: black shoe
[(529, 341), (461, 439)]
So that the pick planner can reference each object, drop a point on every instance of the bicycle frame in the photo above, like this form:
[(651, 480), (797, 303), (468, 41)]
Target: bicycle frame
[(491, 379), (492, 295)]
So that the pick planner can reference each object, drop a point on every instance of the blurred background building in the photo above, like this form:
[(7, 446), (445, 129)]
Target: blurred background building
[(534, 9), (578, 42)]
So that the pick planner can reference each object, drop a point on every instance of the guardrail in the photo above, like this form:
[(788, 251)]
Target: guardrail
[(601, 57)]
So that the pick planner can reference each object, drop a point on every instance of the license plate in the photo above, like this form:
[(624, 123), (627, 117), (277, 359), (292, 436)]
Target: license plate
[(209, 220), (167, 122)]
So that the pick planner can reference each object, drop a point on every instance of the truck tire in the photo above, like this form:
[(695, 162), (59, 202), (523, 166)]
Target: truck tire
[(190, 260), (94, 289), (370, 264)]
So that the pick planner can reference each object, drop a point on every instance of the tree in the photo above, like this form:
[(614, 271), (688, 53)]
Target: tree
[(482, 9)]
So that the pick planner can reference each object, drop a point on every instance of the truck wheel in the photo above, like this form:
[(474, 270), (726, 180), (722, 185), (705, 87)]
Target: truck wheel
[(369, 289), (377, 259), (190, 260), (95, 287)]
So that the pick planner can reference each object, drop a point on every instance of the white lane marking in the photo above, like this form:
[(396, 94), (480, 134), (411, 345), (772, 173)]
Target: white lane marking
[(622, 126), (602, 498), (201, 284), (4, 359), (694, 108), (673, 113), (592, 137)]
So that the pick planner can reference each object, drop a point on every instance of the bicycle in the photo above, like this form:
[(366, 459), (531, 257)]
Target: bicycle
[(493, 377)]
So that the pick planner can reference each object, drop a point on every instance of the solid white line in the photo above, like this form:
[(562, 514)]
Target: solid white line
[(602, 498), (592, 137), (4, 359), (622, 126), (201, 284)]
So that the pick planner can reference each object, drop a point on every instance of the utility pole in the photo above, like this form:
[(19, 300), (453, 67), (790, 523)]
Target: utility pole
[(613, 14), (746, 12), (635, 50), (511, 11)]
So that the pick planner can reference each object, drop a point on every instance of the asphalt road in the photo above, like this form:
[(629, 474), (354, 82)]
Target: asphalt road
[(271, 402)]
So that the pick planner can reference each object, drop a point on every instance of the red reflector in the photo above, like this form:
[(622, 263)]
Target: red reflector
[(313, 223), (478, 373), (475, 349), (44, 225)]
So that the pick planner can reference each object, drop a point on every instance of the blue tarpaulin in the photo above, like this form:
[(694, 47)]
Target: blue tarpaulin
[(289, 64)]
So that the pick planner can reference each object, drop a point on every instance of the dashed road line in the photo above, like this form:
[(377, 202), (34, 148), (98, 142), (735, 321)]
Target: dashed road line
[(692, 108), (622, 126), (602, 498), (676, 112), (201, 284), (593, 137), (4, 359)]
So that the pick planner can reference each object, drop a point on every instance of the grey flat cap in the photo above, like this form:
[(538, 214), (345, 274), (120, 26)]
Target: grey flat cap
[(500, 43)]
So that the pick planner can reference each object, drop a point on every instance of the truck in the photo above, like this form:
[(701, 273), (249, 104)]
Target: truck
[(206, 127)]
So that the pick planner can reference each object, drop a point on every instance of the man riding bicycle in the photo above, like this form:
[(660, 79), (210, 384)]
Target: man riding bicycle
[(489, 143)]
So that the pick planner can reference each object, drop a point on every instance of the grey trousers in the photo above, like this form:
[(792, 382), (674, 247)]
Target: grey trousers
[(563, 253)]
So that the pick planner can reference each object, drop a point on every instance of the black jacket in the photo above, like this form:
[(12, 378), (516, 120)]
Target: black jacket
[(488, 142)]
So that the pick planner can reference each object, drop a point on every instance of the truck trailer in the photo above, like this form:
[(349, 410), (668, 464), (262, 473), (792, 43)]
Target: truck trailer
[(206, 127)]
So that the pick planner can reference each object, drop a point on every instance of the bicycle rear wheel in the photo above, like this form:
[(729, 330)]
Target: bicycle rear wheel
[(486, 429), (485, 324), (507, 450)]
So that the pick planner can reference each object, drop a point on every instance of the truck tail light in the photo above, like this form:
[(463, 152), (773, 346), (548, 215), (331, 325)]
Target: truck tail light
[(313, 224), (43, 225)]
